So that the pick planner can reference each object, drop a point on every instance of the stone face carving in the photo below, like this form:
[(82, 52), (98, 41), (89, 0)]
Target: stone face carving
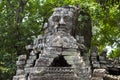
[(62, 19), (60, 55), (57, 53)]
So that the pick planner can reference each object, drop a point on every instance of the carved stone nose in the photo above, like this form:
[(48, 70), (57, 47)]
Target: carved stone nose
[(62, 22)]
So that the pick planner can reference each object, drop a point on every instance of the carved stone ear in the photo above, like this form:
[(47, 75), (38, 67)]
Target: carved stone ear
[(45, 25)]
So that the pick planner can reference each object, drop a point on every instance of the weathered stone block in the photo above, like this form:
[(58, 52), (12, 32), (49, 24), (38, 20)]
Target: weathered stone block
[(34, 57), (99, 73), (42, 62), (101, 58), (103, 62), (93, 58), (20, 77), (30, 61), (18, 63), (20, 72), (96, 65), (94, 54), (111, 77), (32, 53), (29, 47), (97, 78), (103, 66), (28, 65), (22, 57), (70, 52)]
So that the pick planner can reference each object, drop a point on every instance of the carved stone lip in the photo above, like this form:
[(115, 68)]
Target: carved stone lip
[(61, 28)]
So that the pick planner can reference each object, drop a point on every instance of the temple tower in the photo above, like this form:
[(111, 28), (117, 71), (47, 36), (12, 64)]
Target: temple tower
[(56, 55)]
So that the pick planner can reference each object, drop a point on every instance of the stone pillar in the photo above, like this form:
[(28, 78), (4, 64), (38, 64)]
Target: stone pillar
[(98, 74), (102, 59), (95, 58), (20, 73)]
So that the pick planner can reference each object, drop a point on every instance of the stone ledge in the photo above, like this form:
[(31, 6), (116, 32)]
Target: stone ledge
[(20, 77), (111, 77)]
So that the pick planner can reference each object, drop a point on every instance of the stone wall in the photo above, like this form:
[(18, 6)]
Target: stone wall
[(104, 68)]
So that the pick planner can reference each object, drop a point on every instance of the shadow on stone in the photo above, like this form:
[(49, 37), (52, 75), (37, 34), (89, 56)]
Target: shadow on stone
[(59, 62)]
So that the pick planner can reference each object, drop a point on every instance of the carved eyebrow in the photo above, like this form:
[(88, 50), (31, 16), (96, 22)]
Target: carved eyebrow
[(55, 18), (56, 14), (66, 15)]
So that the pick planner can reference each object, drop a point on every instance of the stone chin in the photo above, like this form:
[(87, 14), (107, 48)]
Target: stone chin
[(63, 39)]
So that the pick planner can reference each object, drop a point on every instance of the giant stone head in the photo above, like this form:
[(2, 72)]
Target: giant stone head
[(61, 25), (62, 19)]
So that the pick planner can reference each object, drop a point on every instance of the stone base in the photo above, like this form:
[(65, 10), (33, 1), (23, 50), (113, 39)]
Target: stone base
[(55, 78), (53, 73), (111, 77), (97, 78)]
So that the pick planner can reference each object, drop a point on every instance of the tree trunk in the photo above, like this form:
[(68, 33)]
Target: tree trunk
[(86, 29)]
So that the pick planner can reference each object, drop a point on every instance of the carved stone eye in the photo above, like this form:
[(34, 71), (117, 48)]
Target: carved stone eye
[(56, 18), (67, 18)]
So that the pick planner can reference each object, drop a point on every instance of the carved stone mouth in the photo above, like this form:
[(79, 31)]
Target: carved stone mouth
[(61, 28)]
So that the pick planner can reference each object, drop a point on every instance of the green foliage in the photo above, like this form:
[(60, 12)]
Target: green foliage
[(20, 20), (115, 53)]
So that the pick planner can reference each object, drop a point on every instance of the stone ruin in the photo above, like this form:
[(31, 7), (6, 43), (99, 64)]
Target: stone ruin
[(102, 67), (57, 54)]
